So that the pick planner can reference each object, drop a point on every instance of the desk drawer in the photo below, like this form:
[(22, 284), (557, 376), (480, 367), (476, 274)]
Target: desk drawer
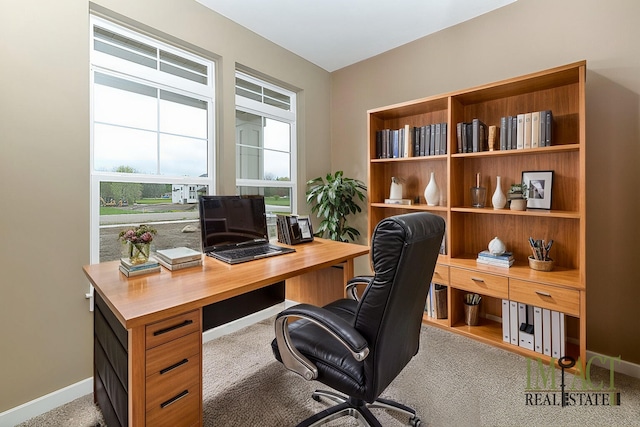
[(170, 382), (163, 356), (559, 299), (441, 275), (479, 282), (181, 409), (172, 328)]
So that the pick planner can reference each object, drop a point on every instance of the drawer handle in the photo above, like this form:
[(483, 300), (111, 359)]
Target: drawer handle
[(543, 294), (475, 279), (173, 328), (174, 399), (174, 366)]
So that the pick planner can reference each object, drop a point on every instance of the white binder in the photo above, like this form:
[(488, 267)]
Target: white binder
[(513, 321), (506, 326), (546, 332), (557, 334), (525, 338), (537, 329)]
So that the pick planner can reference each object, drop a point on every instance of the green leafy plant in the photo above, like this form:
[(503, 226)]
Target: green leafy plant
[(333, 200), (518, 191)]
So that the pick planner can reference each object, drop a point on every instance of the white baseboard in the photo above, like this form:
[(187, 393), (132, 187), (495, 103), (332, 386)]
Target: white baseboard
[(72, 392), (619, 367), (45, 403)]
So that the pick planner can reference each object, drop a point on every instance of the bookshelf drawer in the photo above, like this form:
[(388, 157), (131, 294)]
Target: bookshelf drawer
[(480, 283), (441, 275), (559, 299), (170, 329)]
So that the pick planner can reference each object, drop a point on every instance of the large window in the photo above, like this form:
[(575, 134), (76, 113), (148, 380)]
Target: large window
[(266, 144), (152, 138)]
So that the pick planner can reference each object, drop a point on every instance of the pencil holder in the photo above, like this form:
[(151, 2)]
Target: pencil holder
[(535, 264), (471, 314)]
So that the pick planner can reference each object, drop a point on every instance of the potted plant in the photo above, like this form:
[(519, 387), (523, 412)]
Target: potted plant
[(518, 197), (333, 198)]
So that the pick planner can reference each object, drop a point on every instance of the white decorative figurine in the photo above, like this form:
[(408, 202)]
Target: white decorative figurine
[(395, 193), (496, 247)]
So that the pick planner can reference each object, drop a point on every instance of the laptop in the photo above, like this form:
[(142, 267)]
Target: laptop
[(234, 229)]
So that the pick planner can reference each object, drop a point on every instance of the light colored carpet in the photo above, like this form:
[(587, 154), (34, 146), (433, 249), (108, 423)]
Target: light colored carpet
[(452, 381)]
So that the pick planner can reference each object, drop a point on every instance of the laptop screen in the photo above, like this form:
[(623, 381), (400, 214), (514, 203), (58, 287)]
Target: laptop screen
[(226, 221)]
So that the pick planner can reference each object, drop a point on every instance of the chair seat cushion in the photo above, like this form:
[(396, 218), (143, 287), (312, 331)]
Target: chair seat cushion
[(336, 366)]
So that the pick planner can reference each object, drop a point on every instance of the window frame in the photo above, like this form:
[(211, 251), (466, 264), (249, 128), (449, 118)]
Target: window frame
[(262, 109), (101, 62)]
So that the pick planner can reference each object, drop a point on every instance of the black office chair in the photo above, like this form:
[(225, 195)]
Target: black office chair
[(359, 347)]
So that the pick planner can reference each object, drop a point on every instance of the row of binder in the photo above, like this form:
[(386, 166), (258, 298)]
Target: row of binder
[(534, 328)]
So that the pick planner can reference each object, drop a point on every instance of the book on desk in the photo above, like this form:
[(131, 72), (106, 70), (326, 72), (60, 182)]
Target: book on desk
[(179, 258), (130, 269)]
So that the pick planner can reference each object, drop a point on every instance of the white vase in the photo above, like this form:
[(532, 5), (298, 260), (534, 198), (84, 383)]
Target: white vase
[(432, 192), (498, 200)]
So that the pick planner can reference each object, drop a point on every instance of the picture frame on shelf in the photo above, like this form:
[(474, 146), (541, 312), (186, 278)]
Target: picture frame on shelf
[(539, 186)]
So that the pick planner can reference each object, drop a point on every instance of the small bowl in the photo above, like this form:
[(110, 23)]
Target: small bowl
[(535, 264)]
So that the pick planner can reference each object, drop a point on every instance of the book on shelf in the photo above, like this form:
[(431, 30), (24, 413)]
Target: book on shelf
[(178, 255), (480, 133), (505, 256), (495, 262), (411, 141), (180, 265), (514, 133), (520, 132), (535, 129), (527, 131), (398, 201), (503, 133)]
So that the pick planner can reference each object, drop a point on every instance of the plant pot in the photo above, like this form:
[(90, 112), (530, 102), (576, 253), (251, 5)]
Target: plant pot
[(518, 204), (535, 264)]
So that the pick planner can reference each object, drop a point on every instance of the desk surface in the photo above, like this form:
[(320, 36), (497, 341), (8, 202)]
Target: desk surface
[(145, 299)]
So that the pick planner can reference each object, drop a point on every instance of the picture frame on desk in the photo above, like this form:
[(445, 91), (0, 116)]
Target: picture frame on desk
[(539, 186)]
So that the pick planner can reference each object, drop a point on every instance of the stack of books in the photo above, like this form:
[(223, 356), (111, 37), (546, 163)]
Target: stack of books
[(487, 258), (129, 269), (179, 258)]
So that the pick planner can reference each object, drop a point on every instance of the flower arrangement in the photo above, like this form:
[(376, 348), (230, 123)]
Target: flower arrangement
[(137, 240), (140, 234)]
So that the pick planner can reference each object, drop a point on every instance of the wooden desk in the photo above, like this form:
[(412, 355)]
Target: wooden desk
[(160, 317)]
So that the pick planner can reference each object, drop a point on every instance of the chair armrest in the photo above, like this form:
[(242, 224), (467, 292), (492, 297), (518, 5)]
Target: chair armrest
[(332, 323), (351, 288)]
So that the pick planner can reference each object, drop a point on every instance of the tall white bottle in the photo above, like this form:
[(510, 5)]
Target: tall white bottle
[(432, 192), (499, 199)]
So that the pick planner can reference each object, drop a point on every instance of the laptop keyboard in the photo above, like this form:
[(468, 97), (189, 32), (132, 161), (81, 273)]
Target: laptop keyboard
[(248, 252)]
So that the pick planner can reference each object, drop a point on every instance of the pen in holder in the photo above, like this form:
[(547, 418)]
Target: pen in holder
[(540, 259), (471, 309)]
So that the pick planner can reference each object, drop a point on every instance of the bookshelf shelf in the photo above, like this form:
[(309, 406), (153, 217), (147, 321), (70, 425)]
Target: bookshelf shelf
[(469, 230)]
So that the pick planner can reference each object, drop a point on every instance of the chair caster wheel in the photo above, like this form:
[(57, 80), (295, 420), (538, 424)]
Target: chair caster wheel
[(415, 422), (316, 397)]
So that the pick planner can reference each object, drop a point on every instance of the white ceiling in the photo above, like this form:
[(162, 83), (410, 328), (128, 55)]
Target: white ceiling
[(336, 33)]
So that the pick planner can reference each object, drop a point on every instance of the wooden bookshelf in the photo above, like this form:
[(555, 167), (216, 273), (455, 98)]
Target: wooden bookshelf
[(469, 229)]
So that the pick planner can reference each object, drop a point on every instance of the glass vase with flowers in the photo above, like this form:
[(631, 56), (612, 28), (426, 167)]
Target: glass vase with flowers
[(137, 241)]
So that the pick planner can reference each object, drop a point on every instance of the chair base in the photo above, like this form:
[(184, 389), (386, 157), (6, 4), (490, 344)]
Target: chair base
[(356, 408)]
